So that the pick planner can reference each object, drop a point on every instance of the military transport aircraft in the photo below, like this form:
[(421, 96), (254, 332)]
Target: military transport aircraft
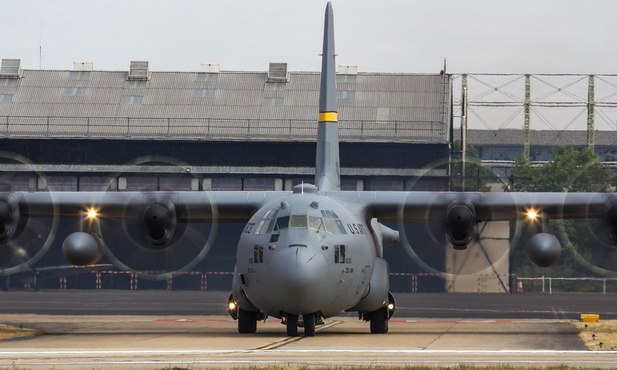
[(316, 251)]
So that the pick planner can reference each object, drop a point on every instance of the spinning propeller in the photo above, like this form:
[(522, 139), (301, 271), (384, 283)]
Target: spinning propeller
[(160, 235), (23, 240), (454, 226)]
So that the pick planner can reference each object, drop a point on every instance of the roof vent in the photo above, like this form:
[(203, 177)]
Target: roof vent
[(278, 72), (210, 68), (139, 71), (348, 69), (83, 66), (11, 68)]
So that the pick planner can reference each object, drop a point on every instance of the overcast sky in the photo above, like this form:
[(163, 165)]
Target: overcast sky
[(522, 36)]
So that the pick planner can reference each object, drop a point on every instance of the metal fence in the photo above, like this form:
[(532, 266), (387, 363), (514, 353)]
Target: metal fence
[(216, 129), (547, 282)]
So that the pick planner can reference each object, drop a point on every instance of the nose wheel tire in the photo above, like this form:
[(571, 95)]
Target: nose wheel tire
[(309, 325), (247, 322), (292, 325), (379, 321)]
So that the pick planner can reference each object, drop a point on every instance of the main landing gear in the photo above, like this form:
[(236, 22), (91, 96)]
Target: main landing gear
[(380, 317), (379, 321), (247, 322)]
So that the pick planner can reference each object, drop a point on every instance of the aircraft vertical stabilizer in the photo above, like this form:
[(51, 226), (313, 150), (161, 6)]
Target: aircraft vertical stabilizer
[(327, 172)]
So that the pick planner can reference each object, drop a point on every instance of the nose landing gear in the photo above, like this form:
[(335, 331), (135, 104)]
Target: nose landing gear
[(309, 325), (308, 321), (292, 325)]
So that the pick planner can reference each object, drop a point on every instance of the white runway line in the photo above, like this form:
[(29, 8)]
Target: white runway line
[(9, 352)]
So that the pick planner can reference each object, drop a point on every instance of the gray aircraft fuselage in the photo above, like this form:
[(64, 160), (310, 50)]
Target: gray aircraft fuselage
[(305, 253)]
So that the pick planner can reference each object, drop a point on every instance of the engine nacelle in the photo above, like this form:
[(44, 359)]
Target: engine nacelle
[(543, 249), (460, 225), (9, 219), (82, 249), (160, 222)]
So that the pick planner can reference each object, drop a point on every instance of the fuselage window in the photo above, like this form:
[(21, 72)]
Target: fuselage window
[(339, 254), (258, 254)]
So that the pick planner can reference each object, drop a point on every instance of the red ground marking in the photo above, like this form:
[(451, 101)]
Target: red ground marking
[(453, 321)]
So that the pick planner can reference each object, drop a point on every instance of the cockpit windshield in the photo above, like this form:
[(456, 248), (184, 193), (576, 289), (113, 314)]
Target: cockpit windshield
[(329, 223), (298, 222), (319, 224)]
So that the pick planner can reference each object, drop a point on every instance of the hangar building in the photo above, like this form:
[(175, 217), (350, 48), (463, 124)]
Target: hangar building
[(85, 130)]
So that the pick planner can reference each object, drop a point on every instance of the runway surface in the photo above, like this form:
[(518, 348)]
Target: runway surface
[(428, 305), (154, 330)]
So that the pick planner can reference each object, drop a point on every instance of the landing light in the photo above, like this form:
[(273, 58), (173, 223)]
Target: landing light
[(232, 307), (390, 306), (92, 213), (532, 214)]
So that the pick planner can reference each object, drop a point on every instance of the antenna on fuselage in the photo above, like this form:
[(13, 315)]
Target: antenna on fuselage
[(327, 172)]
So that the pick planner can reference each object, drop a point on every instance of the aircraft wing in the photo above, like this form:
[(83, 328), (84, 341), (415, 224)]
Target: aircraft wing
[(155, 219), (461, 212), (434, 206), (223, 206)]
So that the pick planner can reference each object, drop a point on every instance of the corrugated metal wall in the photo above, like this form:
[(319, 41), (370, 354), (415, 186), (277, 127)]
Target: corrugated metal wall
[(229, 105)]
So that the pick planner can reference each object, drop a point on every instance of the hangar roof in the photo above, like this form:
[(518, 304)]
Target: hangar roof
[(221, 105)]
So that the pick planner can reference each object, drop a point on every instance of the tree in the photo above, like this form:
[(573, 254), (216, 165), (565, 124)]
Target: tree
[(476, 175), (569, 170)]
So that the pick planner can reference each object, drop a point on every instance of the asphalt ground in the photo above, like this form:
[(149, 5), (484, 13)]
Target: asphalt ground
[(160, 329), (422, 305)]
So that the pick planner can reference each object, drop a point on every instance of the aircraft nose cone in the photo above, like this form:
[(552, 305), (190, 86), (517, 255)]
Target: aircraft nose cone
[(300, 278)]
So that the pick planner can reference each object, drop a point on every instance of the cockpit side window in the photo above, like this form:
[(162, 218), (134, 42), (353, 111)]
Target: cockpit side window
[(329, 214), (327, 227), (267, 222), (340, 229), (282, 223), (332, 222), (271, 226)]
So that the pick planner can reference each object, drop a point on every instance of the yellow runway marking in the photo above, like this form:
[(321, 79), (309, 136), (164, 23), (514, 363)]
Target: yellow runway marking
[(289, 340), (280, 343)]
